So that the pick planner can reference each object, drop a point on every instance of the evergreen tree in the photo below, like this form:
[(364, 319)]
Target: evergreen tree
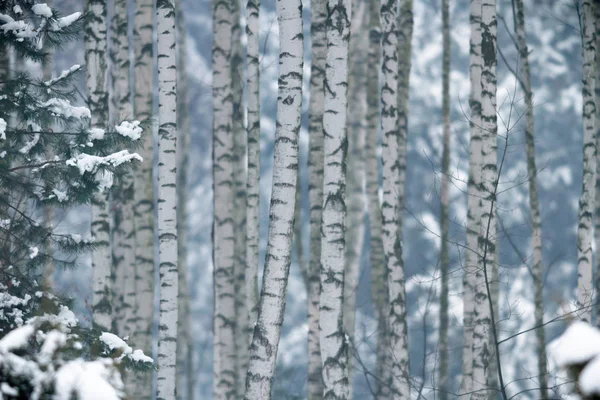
[(37, 118)]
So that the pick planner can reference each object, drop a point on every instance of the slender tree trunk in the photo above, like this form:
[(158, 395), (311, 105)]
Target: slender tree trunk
[(224, 384), (267, 331), (122, 195), (144, 190), (444, 204), (597, 229), (334, 347), (315, 192), (185, 371), (473, 198), (482, 346), (122, 230), (253, 178), (379, 284), (239, 211), (586, 202), (48, 209), (394, 188), (537, 271), (96, 80), (357, 109), (167, 199)]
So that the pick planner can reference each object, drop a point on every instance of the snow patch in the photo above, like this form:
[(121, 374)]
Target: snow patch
[(2, 129), (131, 130), (42, 10)]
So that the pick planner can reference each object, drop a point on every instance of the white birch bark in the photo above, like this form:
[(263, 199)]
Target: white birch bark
[(253, 177), (537, 270), (96, 81), (224, 384), (394, 124), (239, 183), (405, 32), (332, 337), (586, 202), (315, 192), (167, 200), (473, 198), (267, 331), (482, 346), (379, 284), (185, 375), (355, 228), (123, 231), (144, 190), (444, 204), (597, 221)]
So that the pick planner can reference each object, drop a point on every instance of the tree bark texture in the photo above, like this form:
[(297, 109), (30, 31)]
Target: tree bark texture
[(96, 85), (588, 191), (315, 191), (144, 190), (167, 200), (473, 198), (224, 383), (267, 331)]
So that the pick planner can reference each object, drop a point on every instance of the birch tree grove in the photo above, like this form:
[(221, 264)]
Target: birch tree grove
[(224, 385), (167, 200), (253, 176), (144, 191), (332, 338), (484, 320), (473, 198), (586, 202), (315, 191), (96, 81), (267, 331), (537, 270), (444, 203)]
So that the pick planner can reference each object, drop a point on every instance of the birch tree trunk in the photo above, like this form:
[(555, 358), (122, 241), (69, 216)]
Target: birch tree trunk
[(334, 346), (537, 271), (355, 231), (253, 178), (144, 190), (473, 198), (597, 221), (185, 370), (167, 199), (239, 212), (482, 346), (96, 81), (267, 331), (586, 202), (394, 123), (123, 229), (379, 284), (224, 384), (315, 191), (444, 204), (405, 32)]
